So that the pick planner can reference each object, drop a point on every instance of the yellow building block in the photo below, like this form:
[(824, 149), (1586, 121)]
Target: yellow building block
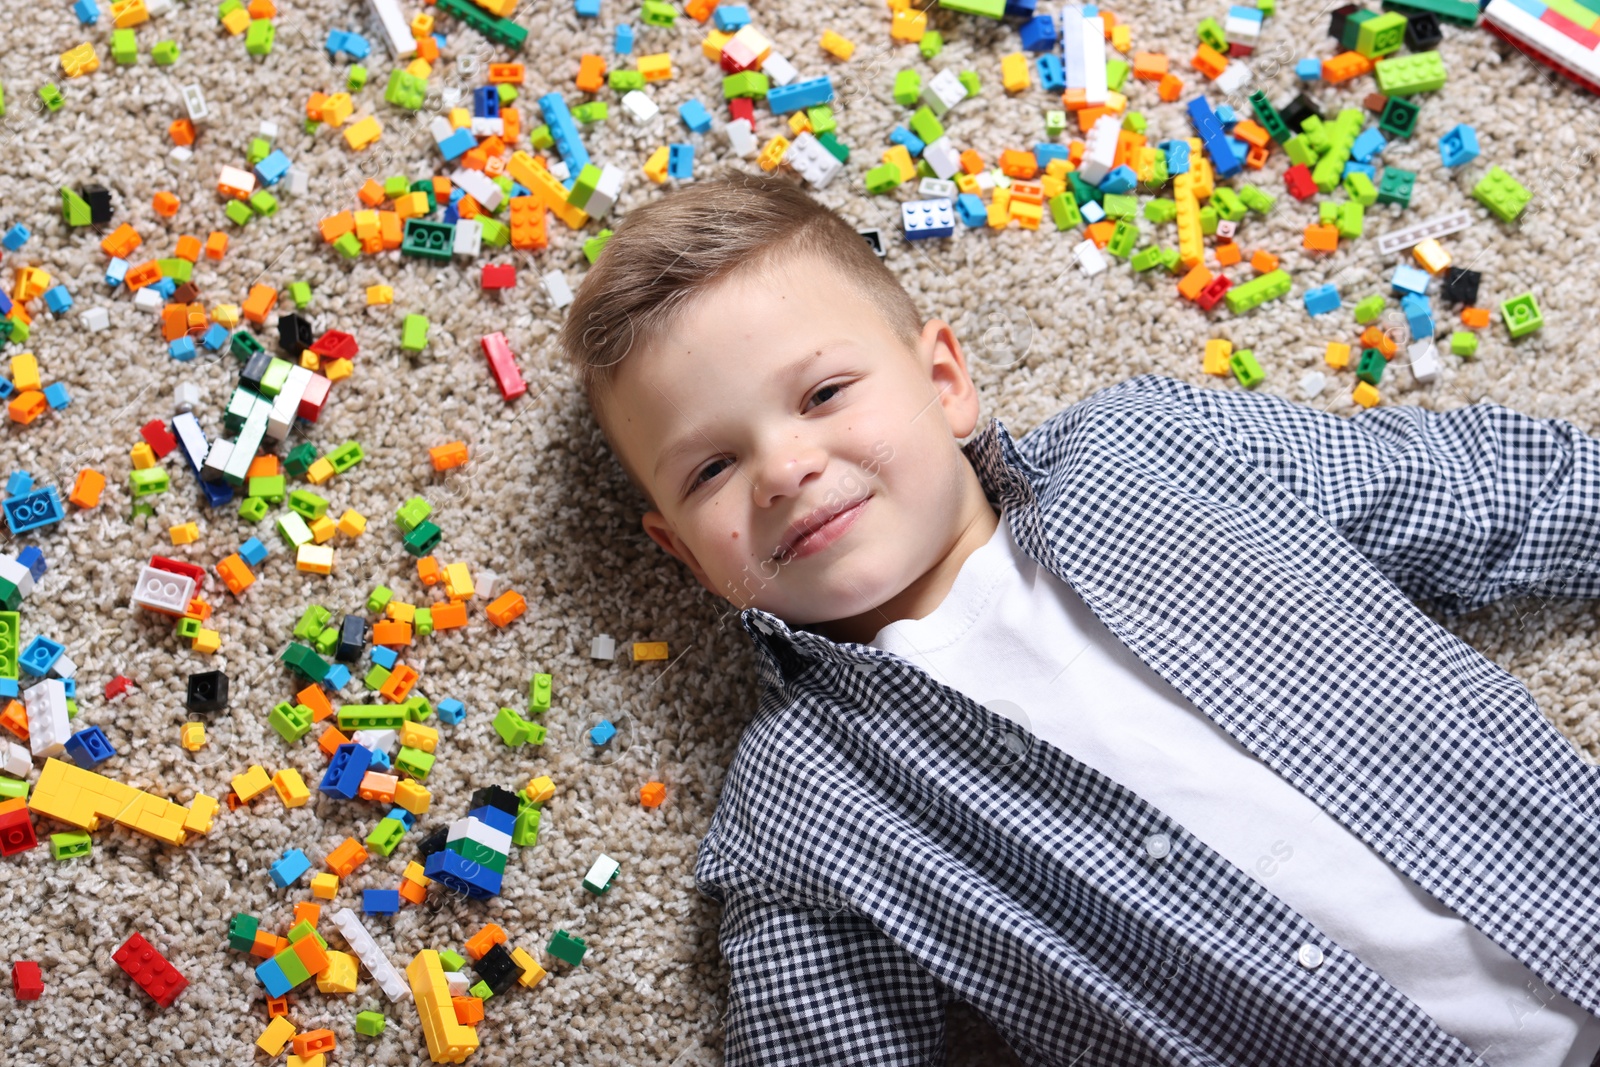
[(416, 735), (226, 314), (337, 108), (772, 154), (314, 559), (448, 1040), (126, 13), (236, 21), (412, 797), (649, 650), (186, 533), (201, 812), (340, 977), (322, 530), (352, 524), (419, 68), (291, 788), (656, 67), (324, 886), (908, 25), (363, 133), (413, 873), (376, 294), (458, 581), (531, 971), (206, 641), (24, 371), (711, 47), (82, 798), (1216, 361), (251, 783), (756, 41), (275, 1036), (540, 789), (1014, 72), (1337, 354), (1432, 256), (336, 370), (836, 46), (321, 470), (547, 188), (80, 60), (193, 737), (316, 1059), (655, 168), (502, 8), (1191, 241), (400, 611), (1365, 394), (900, 156)]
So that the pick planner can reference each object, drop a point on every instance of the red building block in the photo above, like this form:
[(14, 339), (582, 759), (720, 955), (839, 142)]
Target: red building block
[(150, 970), (158, 437), (26, 981), (1213, 293), (742, 107), (117, 686), (499, 276), (1299, 182), (16, 827), (503, 366), (335, 344)]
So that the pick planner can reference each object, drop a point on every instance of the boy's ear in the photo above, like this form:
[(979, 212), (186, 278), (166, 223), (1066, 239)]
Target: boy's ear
[(661, 532), (947, 368)]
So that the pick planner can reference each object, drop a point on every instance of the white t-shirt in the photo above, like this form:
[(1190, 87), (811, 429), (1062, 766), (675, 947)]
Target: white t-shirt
[(1017, 639)]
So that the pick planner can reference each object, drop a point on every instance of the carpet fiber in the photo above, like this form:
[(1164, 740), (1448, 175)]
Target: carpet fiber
[(543, 509)]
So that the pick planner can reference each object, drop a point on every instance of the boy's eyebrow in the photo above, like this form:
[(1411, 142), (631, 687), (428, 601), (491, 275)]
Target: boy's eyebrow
[(692, 439)]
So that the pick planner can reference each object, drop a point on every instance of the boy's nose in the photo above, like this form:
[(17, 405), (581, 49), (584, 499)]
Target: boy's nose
[(787, 472)]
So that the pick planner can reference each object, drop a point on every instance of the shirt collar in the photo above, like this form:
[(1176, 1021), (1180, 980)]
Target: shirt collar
[(1009, 479)]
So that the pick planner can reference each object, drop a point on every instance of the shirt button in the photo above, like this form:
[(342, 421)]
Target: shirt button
[(1310, 957), (1158, 846)]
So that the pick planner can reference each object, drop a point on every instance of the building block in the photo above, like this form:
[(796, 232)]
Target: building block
[(147, 967), (1501, 194)]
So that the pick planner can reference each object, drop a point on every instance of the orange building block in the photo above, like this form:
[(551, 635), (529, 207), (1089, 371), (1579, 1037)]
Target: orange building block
[(1322, 238), (1100, 233), (1209, 61), (469, 1010), (15, 719), (391, 633), (258, 305), (216, 244), (181, 132), (188, 247), (146, 273), (506, 608), (347, 857), (1344, 66), (1149, 66), (1251, 133), (479, 944), (313, 1042), (651, 794), (333, 227), (1018, 164), (87, 489), (412, 892), (377, 786), (1375, 336), (235, 574), (449, 615), (398, 685), (314, 698), (330, 740), (307, 911), (1227, 253), (1264, 262), (1475, 318), (428, 571), (1170, 89), (121, 241), (506, 74), (1197, 279), (591, 73), (166, 204), (971, 162), (447, 456)]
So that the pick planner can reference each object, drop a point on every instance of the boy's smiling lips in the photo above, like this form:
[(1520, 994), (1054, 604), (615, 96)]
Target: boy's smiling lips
[(818, 530)]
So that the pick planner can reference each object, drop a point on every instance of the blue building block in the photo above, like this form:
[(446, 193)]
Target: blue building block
[(88, 12), (15, 237), (384, 657), (1052, 76), (1045, 151), (1309, 70), (166, 287), (343, 776), (402, 816), (18, 482), (486, 102), (1121, 179), (494, 818), (215, 337), (603, 730), (458, 144), (902, 136), (971, 210), (1352, 167), (1227, 116), (272, 169), (1409, 279), (55, 394), (253, 551), (42, 507), (922, 219), (451, 710), (57, 299), (338, 677), (380, 901), (1038, 33), (1092, 212), (463, 875), (1368, 144), (810, 92), (116, 270), (1026, 8), (9, 689), (586, 9), (1321, 300), (695, 116), (182, 349), (1459, 146), (1209, 130), (731, 17), (680, 161), (69, 687), (564, 132), (334, 43), (356, 46), (6, 388), (89, 748), (380, 761), (1419, 314), (33, 559), (1177, 153), (271, 976), (40, 656), (287, 870), (622, 40)]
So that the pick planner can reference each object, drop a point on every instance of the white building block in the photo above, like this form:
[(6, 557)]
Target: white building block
[(639, 107), (148, 299), (1425, 363), (16, 574), (943, 91), (942, 156), (741, 138), (468, 237), (482, 127), (555, 284), (811, 160), (18, 762), (1437, 226), (371, 956), (396, 31), (1094, 61), (479, 186), (1235, 77), (167, 592), (194, 102), (1089, 258), (48, 729), (217, 457), (603, 646), (778, 69), (607, 188), (96, 319), (186, 396), (934, 188), (1312, 382), (297, 182), (1100, 149)]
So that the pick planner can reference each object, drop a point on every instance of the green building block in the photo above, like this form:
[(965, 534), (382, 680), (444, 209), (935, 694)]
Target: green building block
[(242, 932), (74, 208), (300, 293), (1464, 343), (13, 788), (347, 245), (1064, 212), (621, 81), (253, 509), (605, 868), (1501, 194), (313, 620), (513, 729), (658, 13), (305, 662), (501, 31), (356, 79), (1399, 118), (309, 505), (345, 456), (751, 83), (149, 482), (165, 53), (1116, 74), (1134, 122), (70, 845), (428, 240), (2, 101), (1227, 204), (1395, 186), (410, 514), (1210, 32), (1120, 206), (593, 246), (451, 960), (1369, 309), (569, 948), (417, 709), (1158, 172), (1360, 189), (1299, 150), (1268, 117), (51, 97), (1351, 219), (1055, 123), (1381, 35), (907, 87), (293, 969), (508, 93), (9, 643), (376, 675), (1521, 315), (525, 832), (386, 836), (414, 762), (124, 47), (370, 1023), (269, 489), (379, 598), (969, 81), (258, 38), (300, 458), (539, 694), (1459, 12), (1123, 238), (592, 112), (177, 268), (1257, 291), (1370, 367), (423, 539), (1208, 220), (932, 44), (292, 721), (257, 150), (188, 628), (1419, 72), (1245, 368), (239, 214), (327, 642), (926, 125), (883, 179), (479, 853), (496, 234), (371, 716), (1352, 28), (1257, 200), (1149, 259), (1160, 210), (1082, 191), (821, 119), (293, 529), (414, 333), (481, 989)]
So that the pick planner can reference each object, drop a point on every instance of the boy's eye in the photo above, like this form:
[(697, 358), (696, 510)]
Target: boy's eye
[(825, 394), (708, 472)]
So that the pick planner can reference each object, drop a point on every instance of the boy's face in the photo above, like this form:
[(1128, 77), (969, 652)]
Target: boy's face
[(802, 459)]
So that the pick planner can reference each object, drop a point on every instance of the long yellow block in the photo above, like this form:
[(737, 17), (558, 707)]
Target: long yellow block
[(547, 188), (82, 798), (448, 1040)]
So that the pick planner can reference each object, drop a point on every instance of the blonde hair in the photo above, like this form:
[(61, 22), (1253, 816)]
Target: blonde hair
[(668, 251)]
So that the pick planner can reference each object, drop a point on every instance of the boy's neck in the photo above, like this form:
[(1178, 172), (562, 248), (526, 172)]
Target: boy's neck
[(922, 596)]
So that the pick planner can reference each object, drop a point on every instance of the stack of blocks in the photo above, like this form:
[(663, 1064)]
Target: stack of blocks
[(473, 860)]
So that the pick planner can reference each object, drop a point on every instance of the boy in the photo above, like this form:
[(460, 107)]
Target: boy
[(1041, 717)]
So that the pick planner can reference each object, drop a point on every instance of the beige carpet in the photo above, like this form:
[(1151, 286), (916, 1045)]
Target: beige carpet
[(545, 509)]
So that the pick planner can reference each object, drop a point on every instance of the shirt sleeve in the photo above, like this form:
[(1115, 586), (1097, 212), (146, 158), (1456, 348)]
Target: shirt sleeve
[(1460, 507), (809, 986)]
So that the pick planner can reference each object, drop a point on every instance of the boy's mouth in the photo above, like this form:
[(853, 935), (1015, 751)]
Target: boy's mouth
[(818, 530)]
